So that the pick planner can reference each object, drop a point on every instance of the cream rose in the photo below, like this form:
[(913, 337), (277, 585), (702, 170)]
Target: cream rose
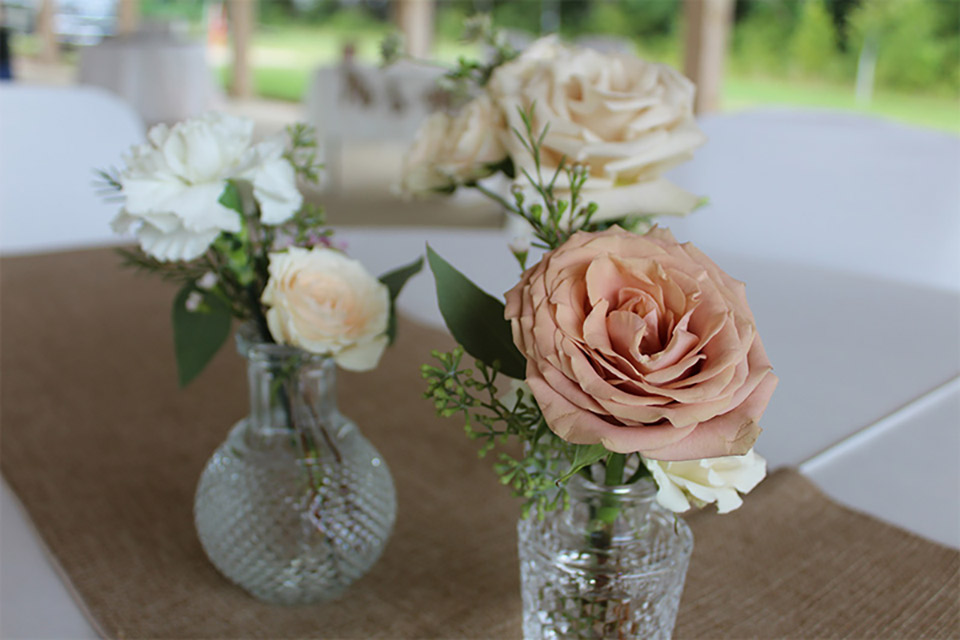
[(626, 119), (711, 480), (641, 344), (324, 302), (454, 150), (172, 184)]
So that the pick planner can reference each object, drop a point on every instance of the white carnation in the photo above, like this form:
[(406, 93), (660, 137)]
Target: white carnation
[(326, 303), (687, 483), (172, 184)]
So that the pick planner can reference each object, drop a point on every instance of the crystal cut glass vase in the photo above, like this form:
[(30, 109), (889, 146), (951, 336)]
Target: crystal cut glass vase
[(296, 504), (612, 565)]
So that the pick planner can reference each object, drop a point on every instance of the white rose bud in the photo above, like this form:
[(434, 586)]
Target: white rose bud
[(454, 150), (689, 483), (326, 303)]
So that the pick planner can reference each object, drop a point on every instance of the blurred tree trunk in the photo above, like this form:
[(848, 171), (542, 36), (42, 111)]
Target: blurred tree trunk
[(708, 25), (128, 17), (243, 15), (415, 19), (46, 18)]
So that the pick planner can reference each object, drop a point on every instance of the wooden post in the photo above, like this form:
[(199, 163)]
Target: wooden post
[(49, 50), (415, 19), (707, 33), (242, 17), (128, 17)]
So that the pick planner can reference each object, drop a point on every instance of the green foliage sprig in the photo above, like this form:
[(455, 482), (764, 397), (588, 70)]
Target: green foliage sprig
[(491, 416)]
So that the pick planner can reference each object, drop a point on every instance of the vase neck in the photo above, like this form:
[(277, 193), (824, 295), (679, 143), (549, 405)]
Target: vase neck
[(620, 512), (290, 389), (637, 494)]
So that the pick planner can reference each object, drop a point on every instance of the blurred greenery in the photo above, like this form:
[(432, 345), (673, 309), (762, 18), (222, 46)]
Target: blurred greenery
[(790, 52)]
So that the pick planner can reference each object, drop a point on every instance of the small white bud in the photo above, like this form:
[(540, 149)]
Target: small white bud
[(207, 281), (520, 245), (194, 300)]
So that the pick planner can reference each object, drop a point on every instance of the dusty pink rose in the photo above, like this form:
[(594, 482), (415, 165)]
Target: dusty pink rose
[(641, 344)]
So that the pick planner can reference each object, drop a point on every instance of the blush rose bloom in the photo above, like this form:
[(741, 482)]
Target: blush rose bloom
[(641, 344), (172, 184), (454, 150), (626, 119), (326, 303), (687, 483)]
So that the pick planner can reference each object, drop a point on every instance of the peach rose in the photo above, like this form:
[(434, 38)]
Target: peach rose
[(326, 303), (641, 344)]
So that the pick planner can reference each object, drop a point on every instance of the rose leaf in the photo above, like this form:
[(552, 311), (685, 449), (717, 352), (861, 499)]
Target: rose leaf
[(199, 333), (475, 318), (395, 280)]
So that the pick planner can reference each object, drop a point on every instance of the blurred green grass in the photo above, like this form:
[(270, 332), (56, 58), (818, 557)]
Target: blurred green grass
[(286, 56), (935, 112)]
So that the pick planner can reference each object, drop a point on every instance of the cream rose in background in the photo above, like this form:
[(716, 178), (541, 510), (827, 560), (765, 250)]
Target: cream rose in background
[(641, 344), (173, 183), (452, 150), (326, 303), (694, 483), (627, 119)]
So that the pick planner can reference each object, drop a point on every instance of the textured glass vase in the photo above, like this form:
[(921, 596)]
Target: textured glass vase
[(296, 504), (611, 566)]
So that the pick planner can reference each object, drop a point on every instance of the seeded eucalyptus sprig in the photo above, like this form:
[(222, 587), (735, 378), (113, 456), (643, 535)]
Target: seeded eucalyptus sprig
[(493, 417)]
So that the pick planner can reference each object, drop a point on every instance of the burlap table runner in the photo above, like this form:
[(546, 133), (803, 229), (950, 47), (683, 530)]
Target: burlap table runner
[(105, 452)]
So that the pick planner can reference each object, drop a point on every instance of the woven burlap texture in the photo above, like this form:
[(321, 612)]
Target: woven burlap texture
[(105, 451)]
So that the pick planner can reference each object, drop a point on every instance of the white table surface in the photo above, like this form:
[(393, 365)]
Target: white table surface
[(868, 403)]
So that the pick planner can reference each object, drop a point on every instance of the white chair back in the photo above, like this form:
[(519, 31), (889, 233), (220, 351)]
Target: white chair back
[(361, 103), (164, 77), (833, 190), (52, 139)]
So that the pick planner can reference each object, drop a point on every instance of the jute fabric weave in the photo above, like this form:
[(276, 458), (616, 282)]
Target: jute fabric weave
[(105, 451)]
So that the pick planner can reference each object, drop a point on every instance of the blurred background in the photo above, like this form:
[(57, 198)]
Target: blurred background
[(280, 61), (895, 58)]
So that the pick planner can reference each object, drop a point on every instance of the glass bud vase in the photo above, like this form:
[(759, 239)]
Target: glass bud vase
[(612, 565), (296, 504)]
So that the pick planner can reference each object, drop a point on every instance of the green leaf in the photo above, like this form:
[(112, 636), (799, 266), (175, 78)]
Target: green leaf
[(584, 455), (230, 198), (475, 318), (505, 166), (198, 335), (395, 280)]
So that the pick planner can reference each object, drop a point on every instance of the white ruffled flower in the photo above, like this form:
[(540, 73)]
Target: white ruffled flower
[(453, 150), (689, 483), (626, 119), (326, 303), (173, 183)]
